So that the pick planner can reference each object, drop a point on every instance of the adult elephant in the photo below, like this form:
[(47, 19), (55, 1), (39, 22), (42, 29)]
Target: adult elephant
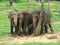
[(46, 21), (25, 19), (14, 22), (21, 20)]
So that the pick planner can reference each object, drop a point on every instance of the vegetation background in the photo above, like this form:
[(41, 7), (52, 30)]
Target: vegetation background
[(5, 8)]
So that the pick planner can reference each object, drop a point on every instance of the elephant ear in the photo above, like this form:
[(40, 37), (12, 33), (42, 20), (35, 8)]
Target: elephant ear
[(9, 15)]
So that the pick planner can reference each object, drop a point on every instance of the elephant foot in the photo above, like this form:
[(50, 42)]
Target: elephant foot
[(13, 35), (27, 34), (32, 35), (45, 32), (22, 35), (42, 34), (19, 34), (52, 32)]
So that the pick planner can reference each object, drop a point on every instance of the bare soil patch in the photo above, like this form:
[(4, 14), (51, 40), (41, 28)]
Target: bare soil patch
[(47, 38)]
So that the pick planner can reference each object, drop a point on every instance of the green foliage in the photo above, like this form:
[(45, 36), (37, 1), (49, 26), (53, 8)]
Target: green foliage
[(3, 0), (34, 43), (55, 0), (21, 1), (15, 1)]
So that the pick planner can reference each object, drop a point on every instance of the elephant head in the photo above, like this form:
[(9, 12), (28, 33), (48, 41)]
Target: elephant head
[(13, 16)]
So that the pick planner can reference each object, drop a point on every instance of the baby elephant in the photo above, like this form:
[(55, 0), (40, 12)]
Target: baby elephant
[(30, 29), (14, 23)]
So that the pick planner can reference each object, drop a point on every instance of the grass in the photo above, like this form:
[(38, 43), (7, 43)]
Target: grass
[(34, 43), (5, 23), (42, 44)]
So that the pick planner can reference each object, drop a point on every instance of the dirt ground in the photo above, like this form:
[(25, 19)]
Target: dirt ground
[(46, 38)]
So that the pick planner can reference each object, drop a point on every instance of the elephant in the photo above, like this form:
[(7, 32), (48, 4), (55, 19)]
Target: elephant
[(30, 29), (45, 22), (25, 19), (14, 23)]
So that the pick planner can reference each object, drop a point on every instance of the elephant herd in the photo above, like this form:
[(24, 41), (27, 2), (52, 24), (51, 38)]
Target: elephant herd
[(25, 22)]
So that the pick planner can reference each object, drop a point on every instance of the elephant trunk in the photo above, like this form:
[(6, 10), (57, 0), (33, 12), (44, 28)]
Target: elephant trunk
[(15, 21)]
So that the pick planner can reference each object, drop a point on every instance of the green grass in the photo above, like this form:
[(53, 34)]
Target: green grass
[(42, 44), (34, 43), (5, 23)]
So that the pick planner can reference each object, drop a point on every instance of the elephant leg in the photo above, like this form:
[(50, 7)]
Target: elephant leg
[(34, 24), (51, 28), (42, 28), (24, 31), (46, 31), (16, 30), (25, 25), (30, 29), (20, 26), (41, 32), (11, 27), (19, 32)]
